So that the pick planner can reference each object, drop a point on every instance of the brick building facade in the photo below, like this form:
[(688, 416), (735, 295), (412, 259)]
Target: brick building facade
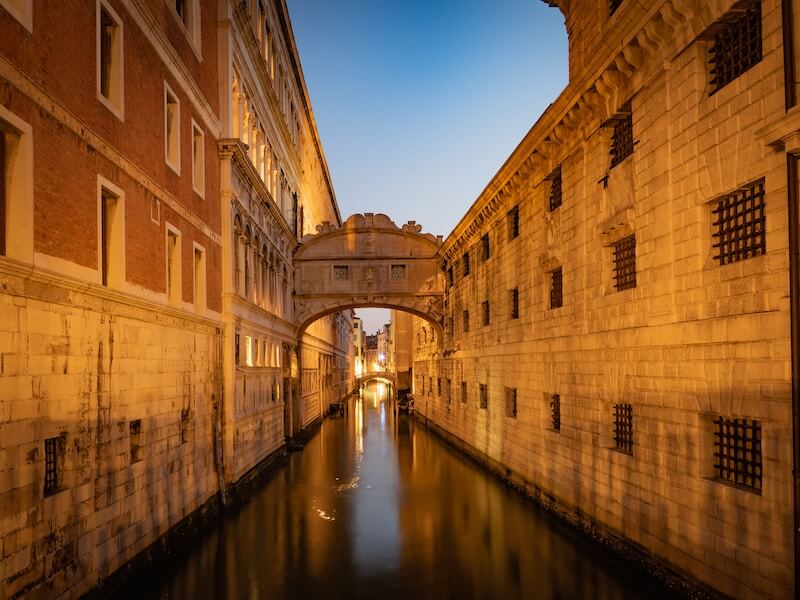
[(617, 320), (143, 367)]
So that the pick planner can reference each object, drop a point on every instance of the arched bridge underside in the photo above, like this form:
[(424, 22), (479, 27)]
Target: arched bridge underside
[(368, 261), (367, 377)]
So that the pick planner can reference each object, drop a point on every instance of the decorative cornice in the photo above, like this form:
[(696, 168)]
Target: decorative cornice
[(62, 115), (638, 33)]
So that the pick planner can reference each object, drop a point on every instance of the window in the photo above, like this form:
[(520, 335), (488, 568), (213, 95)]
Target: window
[(450, 277), (483, 401), (448, 390), (623, 428), (341, 273), (736, 47), (739, 224), (135, 438), (622, 138), (199, 278), (54, 450), (613, 5), (463, 392), (555, 189), (485, 247), (465, 262), (438, 386), (182, 10), (173, 266), (430, 386), (556, 293), (248, 351), (511, 402), (236, 348), (172, 129), (485, 311), (515, 303), (513, 223), (737, 452), (109, 59), (465, 318), (625, 263), (16, 187), (198, 160), (111, 238), (186, 425), (555, 411), (398, 272)]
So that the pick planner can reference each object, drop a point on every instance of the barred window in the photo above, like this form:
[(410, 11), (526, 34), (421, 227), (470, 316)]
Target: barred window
[(625, 263), (623, 427), (613, 5), (485, 247), (186, 425), (515, 303), (135, 434), (737, 452), (555, 411), (555, 189), (513, 223), (450, 277), (438, 386), (556, 296), (236, 348), (511, 402), (430, 386), (398, 272), (622, 138), (465, 316), (464, 392), (54, 450), (448, 390), (739, 224), (736, 47), (466, 263), (485, 307), (341, 273), (483, 401)]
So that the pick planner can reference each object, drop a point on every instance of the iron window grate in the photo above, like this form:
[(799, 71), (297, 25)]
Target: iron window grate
[(739, 224), (450, 278), (736, 48), (622, 140), (515, 303), (464, 392), (466, 264), (555, 189), (485, 246), (556, 295), (484, 396), (513, 223), (613, 5), (511, 403), (625, 263), (623, 427), (465, 316), (485, 306), (51, 466), (555, 411), (737, 452)]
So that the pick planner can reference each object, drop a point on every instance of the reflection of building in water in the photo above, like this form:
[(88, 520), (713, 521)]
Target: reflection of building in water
[(359, 347)]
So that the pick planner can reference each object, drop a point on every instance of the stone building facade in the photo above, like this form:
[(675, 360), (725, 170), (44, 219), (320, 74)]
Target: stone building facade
[(148, 355), (618, 308)]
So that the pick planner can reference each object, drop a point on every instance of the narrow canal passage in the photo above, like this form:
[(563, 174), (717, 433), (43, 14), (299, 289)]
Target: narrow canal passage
[(375, 506)]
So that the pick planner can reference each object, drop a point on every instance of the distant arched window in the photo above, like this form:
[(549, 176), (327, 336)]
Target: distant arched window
[(237, 253)]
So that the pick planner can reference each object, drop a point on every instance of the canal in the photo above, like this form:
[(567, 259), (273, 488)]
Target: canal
[(375, 506)]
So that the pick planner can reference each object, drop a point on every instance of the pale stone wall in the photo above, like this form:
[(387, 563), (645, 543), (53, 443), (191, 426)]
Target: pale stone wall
[(83, 366), (693, 340)]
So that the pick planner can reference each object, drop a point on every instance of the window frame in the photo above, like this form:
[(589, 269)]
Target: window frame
[(117, 107), (107, 277), (174, 290), (175, 166)]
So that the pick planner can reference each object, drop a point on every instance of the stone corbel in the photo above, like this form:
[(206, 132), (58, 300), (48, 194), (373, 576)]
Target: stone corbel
[(549, 262), (617, 227)]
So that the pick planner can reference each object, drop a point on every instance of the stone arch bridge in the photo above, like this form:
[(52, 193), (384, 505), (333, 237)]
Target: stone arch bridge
[(368, 262)]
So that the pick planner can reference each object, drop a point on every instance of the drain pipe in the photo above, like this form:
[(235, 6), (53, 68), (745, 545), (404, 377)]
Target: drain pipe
[(790, 91), (794, 295)]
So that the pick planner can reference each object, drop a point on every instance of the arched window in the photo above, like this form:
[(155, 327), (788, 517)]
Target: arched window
[(237, 254), (247, 284)]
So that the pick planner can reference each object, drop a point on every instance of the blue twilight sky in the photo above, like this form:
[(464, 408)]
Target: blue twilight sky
[(419, 102)]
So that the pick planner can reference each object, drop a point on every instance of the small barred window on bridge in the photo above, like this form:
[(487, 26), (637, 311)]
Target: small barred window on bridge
[(625, 263)]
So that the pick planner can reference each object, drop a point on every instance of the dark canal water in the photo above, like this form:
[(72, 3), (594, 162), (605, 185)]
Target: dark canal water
[(377, 507)]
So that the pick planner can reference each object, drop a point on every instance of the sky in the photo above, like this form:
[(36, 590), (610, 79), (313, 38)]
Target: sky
[(419, 102)]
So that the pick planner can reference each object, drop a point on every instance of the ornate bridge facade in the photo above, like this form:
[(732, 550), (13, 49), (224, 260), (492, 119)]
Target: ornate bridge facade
[(368, 262)]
